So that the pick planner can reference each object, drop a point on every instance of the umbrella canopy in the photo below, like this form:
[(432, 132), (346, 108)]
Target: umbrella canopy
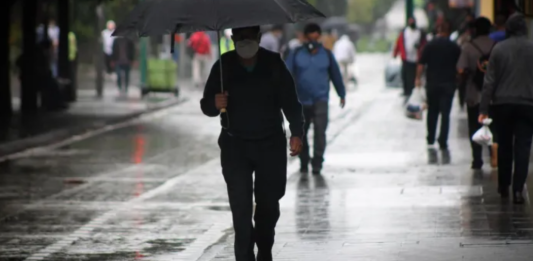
[(159, 17)]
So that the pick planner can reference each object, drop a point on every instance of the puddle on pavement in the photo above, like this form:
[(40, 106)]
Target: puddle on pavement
[(156, 247)]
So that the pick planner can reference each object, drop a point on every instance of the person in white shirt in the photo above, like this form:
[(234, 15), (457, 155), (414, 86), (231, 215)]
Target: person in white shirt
[(108, 40), (344, 51)]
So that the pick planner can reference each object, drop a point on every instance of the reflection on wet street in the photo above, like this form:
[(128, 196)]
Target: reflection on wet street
[(153, 191)]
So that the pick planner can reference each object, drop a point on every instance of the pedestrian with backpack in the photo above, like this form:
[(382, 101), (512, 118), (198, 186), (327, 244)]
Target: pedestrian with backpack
[(470, 66), (313, 67), (508, 87)]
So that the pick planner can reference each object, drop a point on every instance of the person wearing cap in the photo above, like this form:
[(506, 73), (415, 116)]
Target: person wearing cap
[(258, 91)]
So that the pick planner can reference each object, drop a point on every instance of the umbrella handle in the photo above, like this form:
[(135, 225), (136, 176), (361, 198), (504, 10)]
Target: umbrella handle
[(223, 110), (220, 63)]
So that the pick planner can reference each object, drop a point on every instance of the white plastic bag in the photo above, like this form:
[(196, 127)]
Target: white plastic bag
[(416, 104), (483, 136)]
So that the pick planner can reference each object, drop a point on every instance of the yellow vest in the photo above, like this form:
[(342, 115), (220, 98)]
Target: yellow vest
[(224, 48), (72, 46)]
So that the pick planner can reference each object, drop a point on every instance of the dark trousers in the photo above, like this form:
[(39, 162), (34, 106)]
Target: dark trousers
[(108, 60), (473, 126), (514, 125), (462, 94), (240, 159), (123, 75), (439, 102), (408, 77), (317, 114)]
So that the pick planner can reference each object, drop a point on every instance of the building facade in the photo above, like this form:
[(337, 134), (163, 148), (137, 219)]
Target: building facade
[(489, 9)]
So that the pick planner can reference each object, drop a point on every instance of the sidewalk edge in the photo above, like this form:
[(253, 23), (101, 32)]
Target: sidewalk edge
[(17, 146)]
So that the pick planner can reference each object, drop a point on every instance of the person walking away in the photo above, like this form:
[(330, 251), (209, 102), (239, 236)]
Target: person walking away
[(467, 66), (226, 43), (439, 59), (123, 56), (271, 40), (313, 67), (408, 45), (508, 86), (465, 31), (344, 51), (258, 87), (73, 61), (499, 23), (201, 45), (463, 81), (53, 34), (107, 41)]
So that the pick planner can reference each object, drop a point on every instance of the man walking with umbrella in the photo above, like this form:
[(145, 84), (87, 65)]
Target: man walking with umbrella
[(258, 87), (249, 88)]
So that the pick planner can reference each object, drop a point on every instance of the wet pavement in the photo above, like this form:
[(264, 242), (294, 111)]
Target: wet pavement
[(152, 190)]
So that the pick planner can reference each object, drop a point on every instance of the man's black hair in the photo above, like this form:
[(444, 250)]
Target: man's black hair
[(444, 27), (312, 28), (256, 29), (482, 26)]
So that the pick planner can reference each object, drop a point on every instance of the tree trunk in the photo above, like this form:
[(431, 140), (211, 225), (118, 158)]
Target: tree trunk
[(6, 109), (28, 83), (63, 55)]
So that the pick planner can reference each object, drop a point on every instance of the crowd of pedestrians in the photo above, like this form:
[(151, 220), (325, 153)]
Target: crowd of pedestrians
[(491, 64)]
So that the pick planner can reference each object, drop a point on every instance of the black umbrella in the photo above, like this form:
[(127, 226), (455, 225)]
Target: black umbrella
[(159, 17)]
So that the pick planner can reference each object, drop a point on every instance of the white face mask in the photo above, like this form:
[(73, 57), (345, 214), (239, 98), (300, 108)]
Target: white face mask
[(246, 48)]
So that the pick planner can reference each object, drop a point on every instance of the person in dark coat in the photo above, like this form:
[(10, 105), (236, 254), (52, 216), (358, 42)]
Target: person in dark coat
[(258, 88), (508, 87), (122, 59)]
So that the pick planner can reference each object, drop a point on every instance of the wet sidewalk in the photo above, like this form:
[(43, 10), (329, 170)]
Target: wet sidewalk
[(153, 191), (88, 113), (380, 199)]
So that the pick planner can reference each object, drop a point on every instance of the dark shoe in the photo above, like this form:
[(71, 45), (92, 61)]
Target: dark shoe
[(477, 165), (304, 170), (446, 157), (518, 198), (504, 192), (433, 157), (316, 171)]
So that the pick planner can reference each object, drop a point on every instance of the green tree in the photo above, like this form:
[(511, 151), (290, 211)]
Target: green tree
[(367, 12)]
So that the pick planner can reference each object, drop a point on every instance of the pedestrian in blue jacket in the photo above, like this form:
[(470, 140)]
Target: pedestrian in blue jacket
[(313, 67)]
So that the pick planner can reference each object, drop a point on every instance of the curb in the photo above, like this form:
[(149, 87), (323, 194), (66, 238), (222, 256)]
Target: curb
[(58, 135)]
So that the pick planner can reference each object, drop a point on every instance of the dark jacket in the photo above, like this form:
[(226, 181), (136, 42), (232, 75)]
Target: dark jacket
[(129, 49), (509, 76), (256, 98)]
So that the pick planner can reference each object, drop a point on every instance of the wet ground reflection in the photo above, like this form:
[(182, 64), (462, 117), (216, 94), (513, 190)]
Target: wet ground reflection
[(312, 208)]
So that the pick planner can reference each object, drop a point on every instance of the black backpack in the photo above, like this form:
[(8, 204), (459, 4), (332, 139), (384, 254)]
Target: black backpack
[(481, 68)]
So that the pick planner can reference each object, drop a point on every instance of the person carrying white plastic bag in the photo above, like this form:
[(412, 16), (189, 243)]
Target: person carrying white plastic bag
[(483, 136), (416, 104)]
